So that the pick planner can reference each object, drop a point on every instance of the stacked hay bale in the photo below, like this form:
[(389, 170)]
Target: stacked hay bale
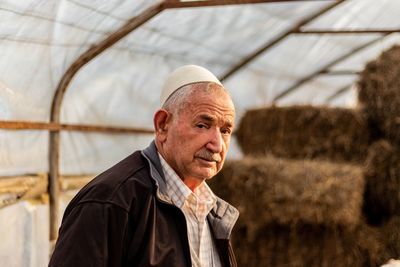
[(305, 132), (391, 231), (291, 221), (316, 219), (298, 213), (382, 173), (379, 95)]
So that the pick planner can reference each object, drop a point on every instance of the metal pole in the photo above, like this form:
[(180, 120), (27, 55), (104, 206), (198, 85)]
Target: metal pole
[(277, 40), (54, 145), (55, 127), (326, 67)]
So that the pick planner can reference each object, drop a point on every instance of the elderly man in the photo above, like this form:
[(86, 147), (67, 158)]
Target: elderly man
[(154, 208)]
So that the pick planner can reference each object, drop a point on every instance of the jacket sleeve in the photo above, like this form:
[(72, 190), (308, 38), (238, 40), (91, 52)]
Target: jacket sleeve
[(92, 234)]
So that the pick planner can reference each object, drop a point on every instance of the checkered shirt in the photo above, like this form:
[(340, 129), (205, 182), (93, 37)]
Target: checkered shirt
[(195, 206)]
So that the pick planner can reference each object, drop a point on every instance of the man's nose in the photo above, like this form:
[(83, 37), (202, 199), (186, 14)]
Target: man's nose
[(216, 142)]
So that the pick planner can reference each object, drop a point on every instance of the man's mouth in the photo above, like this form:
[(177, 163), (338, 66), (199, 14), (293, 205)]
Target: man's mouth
[(208, 156), (208, 160)]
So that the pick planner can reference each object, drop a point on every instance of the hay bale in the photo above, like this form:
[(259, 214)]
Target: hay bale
[(382, 175), (298, 213), (336, 134), (379, 94), (310, 246), (293, 191), (391, 232)]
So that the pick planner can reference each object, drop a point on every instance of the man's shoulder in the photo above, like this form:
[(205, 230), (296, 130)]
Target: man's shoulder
[(119, 184), (133, 167)]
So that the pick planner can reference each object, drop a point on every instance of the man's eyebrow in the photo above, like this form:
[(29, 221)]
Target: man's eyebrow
[(211, 119), (208, 118), (229, 124)]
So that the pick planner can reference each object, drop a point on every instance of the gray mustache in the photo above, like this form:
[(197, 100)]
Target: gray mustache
[(207, 155)]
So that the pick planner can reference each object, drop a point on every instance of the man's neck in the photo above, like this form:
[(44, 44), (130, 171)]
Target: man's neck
[(192, 183)]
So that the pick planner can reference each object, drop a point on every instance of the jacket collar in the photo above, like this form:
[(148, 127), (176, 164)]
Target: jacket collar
[(150, 153), (222, 217)]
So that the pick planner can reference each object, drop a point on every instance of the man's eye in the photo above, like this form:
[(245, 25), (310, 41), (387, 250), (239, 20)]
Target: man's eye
[(226, 131), (201, 126)]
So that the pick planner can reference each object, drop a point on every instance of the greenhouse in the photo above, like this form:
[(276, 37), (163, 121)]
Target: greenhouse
[(316, 88)]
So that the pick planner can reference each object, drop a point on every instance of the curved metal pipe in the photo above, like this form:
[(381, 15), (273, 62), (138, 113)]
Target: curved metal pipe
[(54, 145)]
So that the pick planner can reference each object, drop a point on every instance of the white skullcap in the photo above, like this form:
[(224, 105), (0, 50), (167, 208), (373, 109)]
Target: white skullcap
[(185, 75)]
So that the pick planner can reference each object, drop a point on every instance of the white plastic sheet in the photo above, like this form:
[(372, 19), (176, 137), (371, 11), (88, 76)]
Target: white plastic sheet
[(40, 39), (23, 152), (83, 153), (24, 235)]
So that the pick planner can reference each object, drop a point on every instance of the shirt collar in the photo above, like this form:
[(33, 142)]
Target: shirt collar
[(179, 192)]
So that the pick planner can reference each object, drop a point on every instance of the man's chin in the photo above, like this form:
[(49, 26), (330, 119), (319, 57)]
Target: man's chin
[(206, 175)]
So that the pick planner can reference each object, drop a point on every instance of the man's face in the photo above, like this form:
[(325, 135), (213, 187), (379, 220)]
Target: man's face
[(198, 137)]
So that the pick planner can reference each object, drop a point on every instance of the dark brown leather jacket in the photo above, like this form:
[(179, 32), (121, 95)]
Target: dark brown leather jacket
[(124, 217)]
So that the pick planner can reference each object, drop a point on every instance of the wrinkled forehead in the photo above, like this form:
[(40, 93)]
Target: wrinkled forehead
[(213, 91), (213, 99)]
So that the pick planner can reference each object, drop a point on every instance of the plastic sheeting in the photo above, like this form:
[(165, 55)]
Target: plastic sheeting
[(93, 153), (40, 39), (24, 231), (23, 152), (275, 75)]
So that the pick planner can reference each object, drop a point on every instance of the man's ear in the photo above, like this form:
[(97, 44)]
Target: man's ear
[(161, 122)]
